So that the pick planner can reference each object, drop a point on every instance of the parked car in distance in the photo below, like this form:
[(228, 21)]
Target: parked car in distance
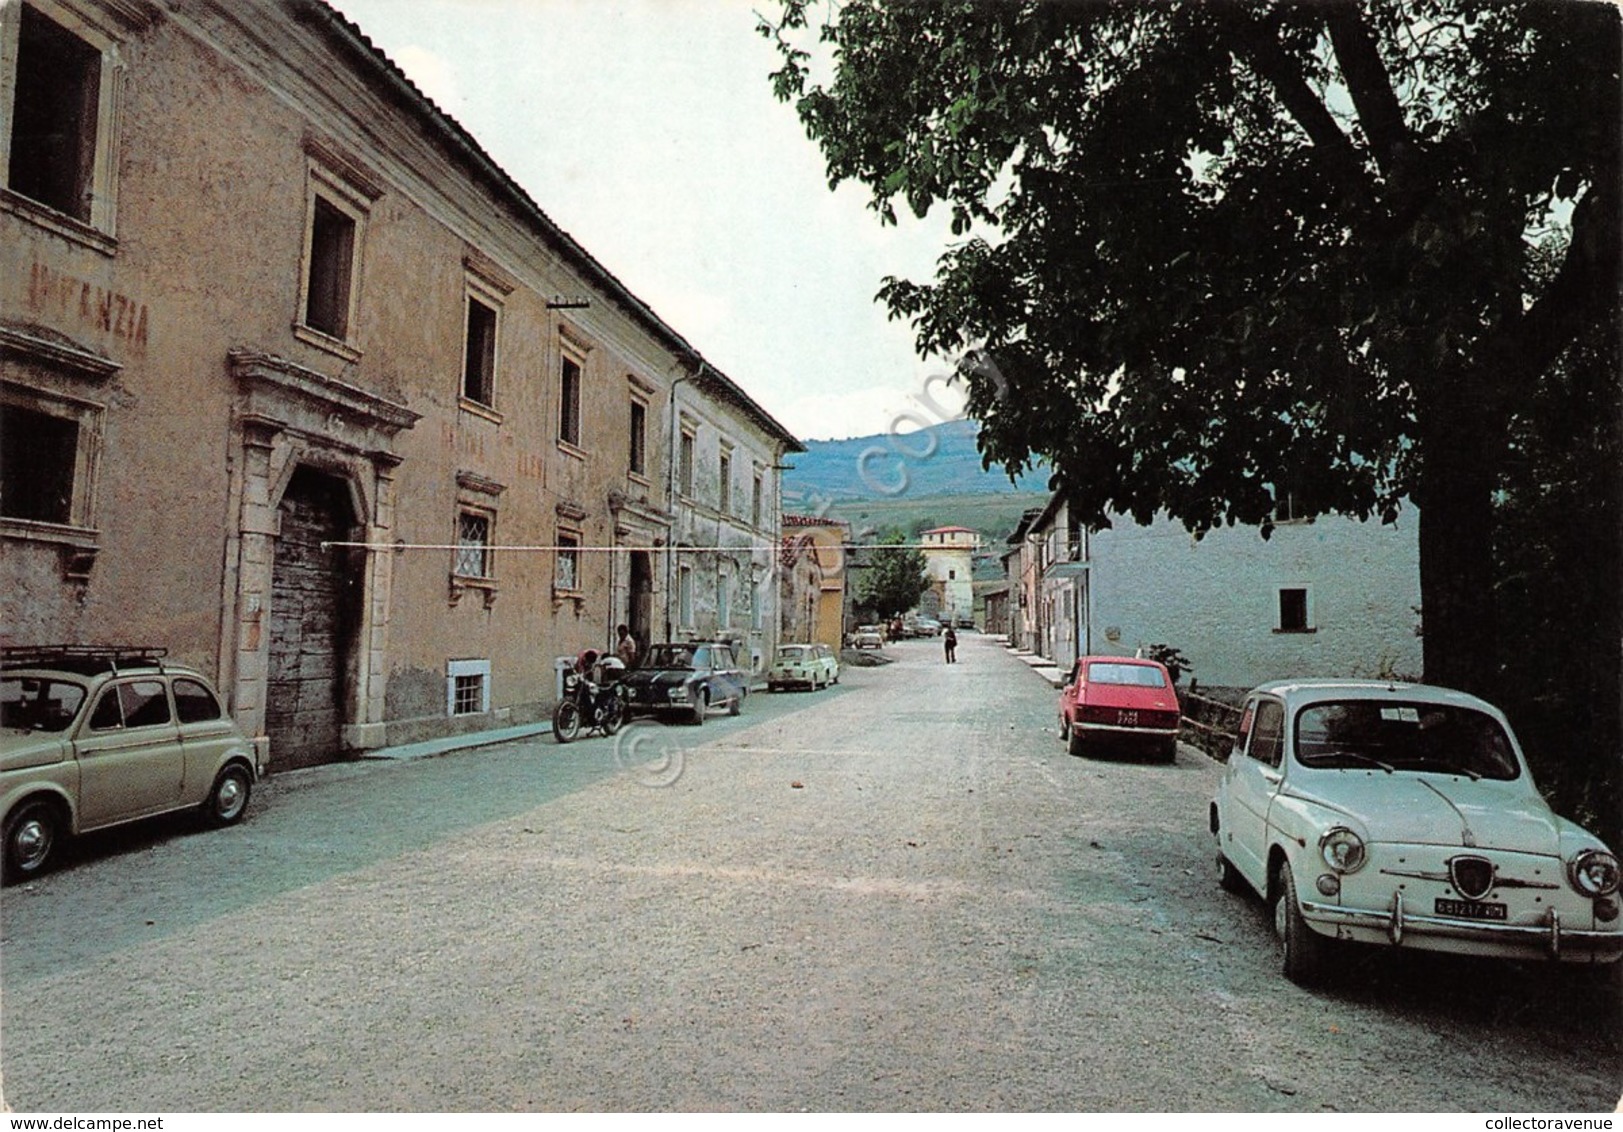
[(926, 627), (810, 666), (92, 737), (1404, 815), (1119, 702), (867, 637), (686, 679)]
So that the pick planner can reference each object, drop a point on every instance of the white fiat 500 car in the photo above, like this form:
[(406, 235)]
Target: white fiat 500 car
[(1403, 814)]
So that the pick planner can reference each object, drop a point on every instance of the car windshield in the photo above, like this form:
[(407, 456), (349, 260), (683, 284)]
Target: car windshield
[(793, 654), (1404, 737), (33, 703), (669, 656), (1137, 675)]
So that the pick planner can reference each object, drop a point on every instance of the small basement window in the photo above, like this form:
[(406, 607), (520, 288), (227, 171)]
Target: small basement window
[(467, 687)]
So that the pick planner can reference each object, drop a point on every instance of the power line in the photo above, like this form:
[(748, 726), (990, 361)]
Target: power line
[(806, 544)]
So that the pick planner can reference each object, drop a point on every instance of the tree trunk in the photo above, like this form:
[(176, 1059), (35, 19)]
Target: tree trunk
[(1455, 498)]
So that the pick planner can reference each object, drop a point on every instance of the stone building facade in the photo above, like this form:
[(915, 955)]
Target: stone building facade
[(949, 563), (300, 385), (1330, 596), (813, 583)]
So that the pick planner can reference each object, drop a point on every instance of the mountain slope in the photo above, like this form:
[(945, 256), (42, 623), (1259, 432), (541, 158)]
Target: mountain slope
[(940, 460)]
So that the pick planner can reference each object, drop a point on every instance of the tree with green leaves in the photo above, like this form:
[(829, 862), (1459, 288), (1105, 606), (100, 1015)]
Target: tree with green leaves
[(893, 578), (1212, 252)]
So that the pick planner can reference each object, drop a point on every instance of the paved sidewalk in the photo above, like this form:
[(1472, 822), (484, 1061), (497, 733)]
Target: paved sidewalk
[(1041, 665), (430, 747)]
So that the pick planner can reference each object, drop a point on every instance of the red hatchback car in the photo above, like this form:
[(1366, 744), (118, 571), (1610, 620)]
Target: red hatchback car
[(1119, 701)]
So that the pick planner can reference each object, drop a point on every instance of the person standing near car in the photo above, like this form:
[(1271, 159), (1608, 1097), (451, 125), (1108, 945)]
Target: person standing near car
[(950, 643), (626, 647)]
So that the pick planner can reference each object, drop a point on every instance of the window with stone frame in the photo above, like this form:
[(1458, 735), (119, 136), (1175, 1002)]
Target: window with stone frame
[(340, 192), (724, 476), (637, 461), (38, 455), (473, 544), (569, 381), (332, 258), (757, 495), (566, 576), (685, 461), (479, 353), (467, 687), (50, 446), (61, 113), (473, 556)]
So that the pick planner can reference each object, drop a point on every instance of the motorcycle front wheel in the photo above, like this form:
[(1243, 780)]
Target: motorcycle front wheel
[(614, 717), (566, 721)]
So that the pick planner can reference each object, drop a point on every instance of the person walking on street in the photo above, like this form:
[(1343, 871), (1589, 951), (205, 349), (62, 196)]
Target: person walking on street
[(626, 647), (950, 642)]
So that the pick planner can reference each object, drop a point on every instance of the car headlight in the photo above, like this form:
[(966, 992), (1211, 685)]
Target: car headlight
[(1342, 850), (1593, 872), (679, 693)]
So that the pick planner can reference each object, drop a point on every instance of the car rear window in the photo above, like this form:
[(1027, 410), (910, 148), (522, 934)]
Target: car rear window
[(1138, 675), (33, 703), (670, 656), (793, 654), (195, 703), (1404, 737)]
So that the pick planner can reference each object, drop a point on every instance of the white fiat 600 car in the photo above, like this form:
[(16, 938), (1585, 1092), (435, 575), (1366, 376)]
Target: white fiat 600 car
[(1403, 814)]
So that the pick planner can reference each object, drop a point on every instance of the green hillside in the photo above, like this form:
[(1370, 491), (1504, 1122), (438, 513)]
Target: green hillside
[(994, 516)]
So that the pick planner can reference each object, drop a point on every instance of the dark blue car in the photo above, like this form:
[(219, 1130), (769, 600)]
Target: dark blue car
[(686, 679)]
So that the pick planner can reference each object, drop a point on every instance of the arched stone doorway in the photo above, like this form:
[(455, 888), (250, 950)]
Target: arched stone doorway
[(316, 591), (316, 465)]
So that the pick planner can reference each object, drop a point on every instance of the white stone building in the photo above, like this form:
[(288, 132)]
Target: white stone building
[(1332, 596), (949, 562)]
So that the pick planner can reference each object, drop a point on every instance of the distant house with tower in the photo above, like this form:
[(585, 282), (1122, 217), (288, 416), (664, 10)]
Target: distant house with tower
[(949, 562)]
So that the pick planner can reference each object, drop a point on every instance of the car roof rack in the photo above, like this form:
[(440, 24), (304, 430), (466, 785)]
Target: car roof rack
[(85, 660)]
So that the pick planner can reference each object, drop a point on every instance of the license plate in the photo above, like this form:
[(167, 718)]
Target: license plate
[(1127, 718), (1470, 909)]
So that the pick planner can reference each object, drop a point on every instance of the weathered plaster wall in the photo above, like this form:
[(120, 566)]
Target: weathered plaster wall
[(1216, 599), (223, 111)]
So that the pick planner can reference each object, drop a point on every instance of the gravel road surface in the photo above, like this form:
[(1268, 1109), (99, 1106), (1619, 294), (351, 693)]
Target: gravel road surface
[(900, 893)]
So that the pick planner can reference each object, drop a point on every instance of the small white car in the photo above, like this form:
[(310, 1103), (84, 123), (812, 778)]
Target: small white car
[(803, 666), (1404, 815), (868, 637)]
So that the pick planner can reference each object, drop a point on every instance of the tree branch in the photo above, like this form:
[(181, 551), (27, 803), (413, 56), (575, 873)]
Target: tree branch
[(1370, 86), (1256, 45), (1584, 293)]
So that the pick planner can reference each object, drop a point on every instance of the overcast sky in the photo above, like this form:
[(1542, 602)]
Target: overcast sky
[(647, 130)]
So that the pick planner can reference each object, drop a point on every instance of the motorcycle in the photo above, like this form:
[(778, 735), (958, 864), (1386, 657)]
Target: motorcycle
[(590, 705)]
